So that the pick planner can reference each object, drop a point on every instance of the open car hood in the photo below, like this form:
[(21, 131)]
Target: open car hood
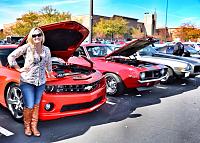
[(63, 38), (132, 47)]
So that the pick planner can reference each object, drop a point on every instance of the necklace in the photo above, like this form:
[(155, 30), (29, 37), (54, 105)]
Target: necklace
[(39, 50)]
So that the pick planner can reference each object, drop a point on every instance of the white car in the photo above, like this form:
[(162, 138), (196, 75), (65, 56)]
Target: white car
[(177, 66), (192, 44)]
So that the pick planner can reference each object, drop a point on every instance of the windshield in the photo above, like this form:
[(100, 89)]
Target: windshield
[(191, 50), (4, 55), (147, 51), (99, 51)]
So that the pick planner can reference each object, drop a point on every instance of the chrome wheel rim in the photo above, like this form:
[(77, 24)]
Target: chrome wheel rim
[(111, 85), (168, 74), (166, 77), (15, 102)]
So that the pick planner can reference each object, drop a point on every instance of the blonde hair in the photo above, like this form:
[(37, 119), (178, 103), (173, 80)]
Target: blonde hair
[(30, 40)]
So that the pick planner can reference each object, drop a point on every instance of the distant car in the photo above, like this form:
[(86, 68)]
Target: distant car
[(121, 72), (198, 44), (120, 42), (2, 42), (192, 44), (188, 50), (77, 89), (177, 66)]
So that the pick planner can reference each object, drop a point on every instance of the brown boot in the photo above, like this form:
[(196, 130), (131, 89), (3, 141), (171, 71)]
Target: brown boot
[(34, 121), (27, 113)]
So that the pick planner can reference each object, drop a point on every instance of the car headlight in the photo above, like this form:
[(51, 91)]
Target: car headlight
[(162, 71), (188, 67), (142, 75)]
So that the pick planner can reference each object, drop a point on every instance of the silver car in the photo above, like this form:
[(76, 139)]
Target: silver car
[(177, 66)]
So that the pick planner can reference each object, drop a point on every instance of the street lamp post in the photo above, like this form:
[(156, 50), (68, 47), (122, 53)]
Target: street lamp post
[(166, 22), (91, 21)]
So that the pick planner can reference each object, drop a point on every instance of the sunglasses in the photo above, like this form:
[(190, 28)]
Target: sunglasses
[(35, 35)]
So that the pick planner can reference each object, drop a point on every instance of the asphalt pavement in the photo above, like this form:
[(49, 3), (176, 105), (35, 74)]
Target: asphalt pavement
[(166, 114)]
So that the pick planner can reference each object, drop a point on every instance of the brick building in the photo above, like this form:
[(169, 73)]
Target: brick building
[(132, 22)]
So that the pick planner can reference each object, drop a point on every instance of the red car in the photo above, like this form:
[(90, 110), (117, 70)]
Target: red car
[(120, 70), (75, 90)]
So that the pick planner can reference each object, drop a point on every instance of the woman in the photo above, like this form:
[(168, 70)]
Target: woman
[(32, 76)]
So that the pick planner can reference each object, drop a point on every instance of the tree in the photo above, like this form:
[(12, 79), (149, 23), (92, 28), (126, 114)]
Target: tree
[(188, 31), (29, 20), (50, 15), (114, 27), (100, 28), (136, 33), (2, 36), (25, 23)]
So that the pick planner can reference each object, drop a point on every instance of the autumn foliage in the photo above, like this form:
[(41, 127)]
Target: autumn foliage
[(111, 28), (32, 19), (188, 32)]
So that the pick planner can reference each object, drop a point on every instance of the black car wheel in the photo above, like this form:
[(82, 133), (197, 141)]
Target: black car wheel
[(114, 85), (14, 101)]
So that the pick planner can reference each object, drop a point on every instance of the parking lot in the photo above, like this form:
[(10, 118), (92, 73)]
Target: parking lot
[(166, 114)]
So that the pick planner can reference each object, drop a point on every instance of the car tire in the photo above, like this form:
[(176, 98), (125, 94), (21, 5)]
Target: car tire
[(14, 102), (114, 84), (169, 77)]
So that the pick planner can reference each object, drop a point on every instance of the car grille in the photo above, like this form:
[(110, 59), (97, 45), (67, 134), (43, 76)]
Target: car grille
[(81, 106), (72, 88), (154, 74), (196, 69)]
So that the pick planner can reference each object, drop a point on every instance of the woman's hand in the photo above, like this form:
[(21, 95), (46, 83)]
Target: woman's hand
[(50, 75), (24, 69)]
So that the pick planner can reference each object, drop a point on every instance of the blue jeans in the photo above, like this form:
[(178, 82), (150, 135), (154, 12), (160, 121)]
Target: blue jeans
[(31, 94)]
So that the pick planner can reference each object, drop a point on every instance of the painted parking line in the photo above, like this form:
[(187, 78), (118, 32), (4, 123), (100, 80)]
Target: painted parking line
[(5, 132), (109, 102)]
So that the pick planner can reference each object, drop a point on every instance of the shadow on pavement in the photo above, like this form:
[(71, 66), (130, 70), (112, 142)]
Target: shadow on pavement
[(116, 109)]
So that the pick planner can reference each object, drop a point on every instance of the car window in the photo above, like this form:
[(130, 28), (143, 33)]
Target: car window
[(1, 42), (147, 51), (170, 50), (189, 45), (99, 51), (191, 50), (4, 55), (79, 51)]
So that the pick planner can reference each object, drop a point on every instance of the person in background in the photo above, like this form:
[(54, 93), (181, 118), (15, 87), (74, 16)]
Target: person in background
[(32, 76), (178, 49)]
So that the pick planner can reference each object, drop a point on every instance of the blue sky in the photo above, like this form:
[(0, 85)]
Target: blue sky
[(179, 11)]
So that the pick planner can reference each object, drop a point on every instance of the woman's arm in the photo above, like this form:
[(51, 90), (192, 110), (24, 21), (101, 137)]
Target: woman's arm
[(14, 55), (49, 64)]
